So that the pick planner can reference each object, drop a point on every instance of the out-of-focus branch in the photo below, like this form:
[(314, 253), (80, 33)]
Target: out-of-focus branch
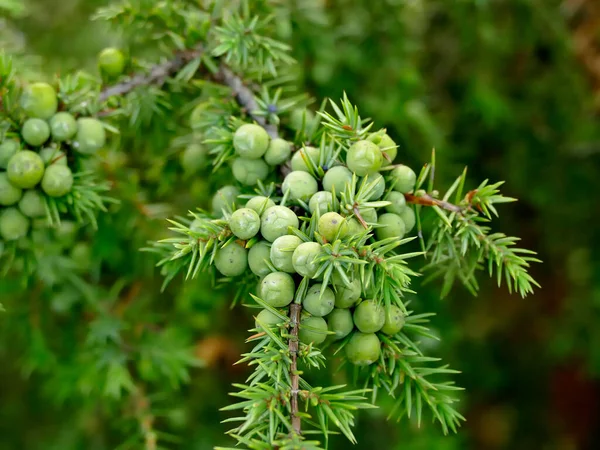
[(156, 76)]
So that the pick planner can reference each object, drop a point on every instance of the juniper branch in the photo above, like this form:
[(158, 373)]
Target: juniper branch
[(157, 74), (295, 310), (160, 72), (245, 98), (428, 200)]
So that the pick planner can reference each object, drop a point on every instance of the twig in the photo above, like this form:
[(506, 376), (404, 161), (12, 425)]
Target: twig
[(245, 98), (295, 310), (160, 72), (157, 75), (428, 200), (145, 419)]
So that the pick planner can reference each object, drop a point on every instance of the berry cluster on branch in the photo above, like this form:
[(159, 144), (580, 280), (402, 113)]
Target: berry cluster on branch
[(316, 221), (47, 152), (324, 244)]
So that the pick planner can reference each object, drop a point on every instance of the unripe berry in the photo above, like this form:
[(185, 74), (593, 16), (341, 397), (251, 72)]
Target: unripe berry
[(111, 62), (39, 100), (337, 280), (196, 226), (386, 145), (332, 226), (32, 204), (369, 316), (403, 179), (9, 194), (232, 260), (300, 185), (244, 223), (193, 158), (379, 186), (312, 330), (63, 126), (340, 322), (249, 171), (268, 319), (301, 158), (13, 224), (301, 117), (277, 289), (398, 202), (259, 256), (57, 181), (25, 169), (354, 227), (81, 254), (250, 141), (391, 226), (304, 257), (375, 138), (322, 201), (368, 214), (409, 219), (275, 222), (394, 320), (35, 132), (52, 156), (364, 158), (278, 152), (346, 296), (90, 137), (318, 301), (225, 199), (363, 349), (337, 178), (8, 149), (66, 233), (260, 204), (282, 251)]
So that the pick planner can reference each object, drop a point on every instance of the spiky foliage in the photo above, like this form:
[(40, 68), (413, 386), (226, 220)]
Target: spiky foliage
[(221, 69), (270, 410)]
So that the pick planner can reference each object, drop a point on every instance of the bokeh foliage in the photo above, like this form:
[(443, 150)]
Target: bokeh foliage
[(497, 86)]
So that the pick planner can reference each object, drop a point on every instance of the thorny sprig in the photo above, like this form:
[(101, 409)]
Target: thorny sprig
[(385, 275), (266, 404), (242, 44), (458, 244)]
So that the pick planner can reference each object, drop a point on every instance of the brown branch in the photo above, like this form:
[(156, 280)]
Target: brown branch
[(145, 419), (295, 310), (360, 217), (428, 200), (245, 98), (157, 75)]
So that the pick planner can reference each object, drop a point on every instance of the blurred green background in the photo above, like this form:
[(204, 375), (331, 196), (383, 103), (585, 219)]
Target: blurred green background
[(509, 88)]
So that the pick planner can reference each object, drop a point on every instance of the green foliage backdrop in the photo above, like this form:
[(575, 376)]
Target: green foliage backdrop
[(497, 86)]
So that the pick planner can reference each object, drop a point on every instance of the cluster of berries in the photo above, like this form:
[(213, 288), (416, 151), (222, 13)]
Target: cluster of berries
[(37, 160), (270, 238), (256, 152)]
